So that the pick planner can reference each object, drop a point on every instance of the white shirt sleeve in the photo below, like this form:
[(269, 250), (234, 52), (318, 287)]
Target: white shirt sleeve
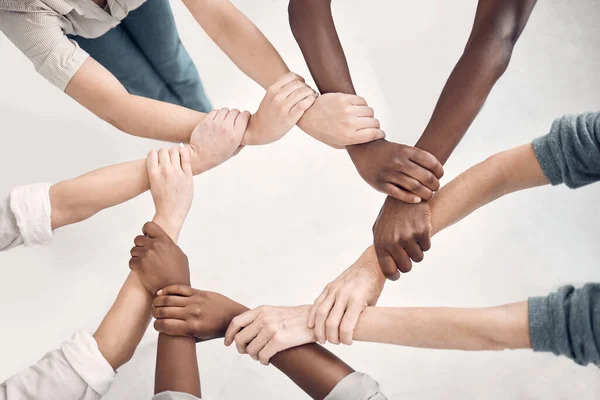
[(174, 396), (40, 37), (356, 386), (25, 217), (76, 371)]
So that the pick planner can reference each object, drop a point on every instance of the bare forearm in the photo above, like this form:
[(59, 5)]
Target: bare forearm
[(501, 174), (177, 366), (495, 328), (240, 39), (314, 29), (75, 200), (487, 54), (124, 325), (313, 368)]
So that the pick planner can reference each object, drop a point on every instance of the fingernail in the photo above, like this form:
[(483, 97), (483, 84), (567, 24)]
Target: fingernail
[(416, 200), (159, 292)]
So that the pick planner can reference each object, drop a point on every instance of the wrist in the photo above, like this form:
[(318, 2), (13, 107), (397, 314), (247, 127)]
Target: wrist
[(171, 225), (250, 129)]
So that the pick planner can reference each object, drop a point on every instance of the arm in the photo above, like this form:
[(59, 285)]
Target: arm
[(240, 39)]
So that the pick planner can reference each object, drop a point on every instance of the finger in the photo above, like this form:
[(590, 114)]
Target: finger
[(422, 175), (152, 160), (245, 336), (366, 122), (152, 230), (270, 349), (414, 251), (411, 185), (366, 135), (170, 301), (312, 314), (400, 194), (241, 122), (401, 258), (427, 160), (222, 114), (298, 110), (163, 158), (284, 80), (258, 343), (175, 159), (141, 241), (332, 324), (387, 264), (424, 243), (137, 252), (349, 321), (169, 313), (298, 96), (186, 160), (356, 100), (322, 314), (291, 88), (176, 290), (362, 111), (172, 327), (211, 115), (134, 264), (238, 323)]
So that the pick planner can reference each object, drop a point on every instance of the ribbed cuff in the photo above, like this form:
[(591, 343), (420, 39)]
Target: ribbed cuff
[(543, 152), (85, 358), (540, 325), (31, 207)]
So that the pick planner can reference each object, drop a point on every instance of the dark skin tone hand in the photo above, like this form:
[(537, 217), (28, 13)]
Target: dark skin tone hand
[(496, 29), (158, 260), (202, 315)]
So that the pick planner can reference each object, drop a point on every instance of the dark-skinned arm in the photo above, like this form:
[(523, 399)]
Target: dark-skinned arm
[(402, 232), (404, 172)]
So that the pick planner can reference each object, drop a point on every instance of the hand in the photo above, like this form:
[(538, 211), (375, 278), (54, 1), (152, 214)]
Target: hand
[(402, 232), (172, 186), (157, 260), (283, 105), (183, 311), (266, 331), (406, 173), (340, 120), (217, 138), (335, 312)]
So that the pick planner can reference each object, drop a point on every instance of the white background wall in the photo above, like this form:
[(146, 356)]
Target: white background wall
[(276, 223)]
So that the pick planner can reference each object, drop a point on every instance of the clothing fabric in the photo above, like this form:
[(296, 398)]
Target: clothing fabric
[(570, 153), (356, 386), (25, 217), (567, 323), (145, 54), (174, 396), (75, 371)]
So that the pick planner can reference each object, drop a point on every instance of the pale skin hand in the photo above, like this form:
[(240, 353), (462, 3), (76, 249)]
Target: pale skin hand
[(340, 120), (265, 331), (283, 105)]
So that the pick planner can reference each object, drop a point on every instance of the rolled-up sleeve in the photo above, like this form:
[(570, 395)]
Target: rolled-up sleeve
[(75, 371), (356, 386), (40, 37), (567, 323), (25, 216)]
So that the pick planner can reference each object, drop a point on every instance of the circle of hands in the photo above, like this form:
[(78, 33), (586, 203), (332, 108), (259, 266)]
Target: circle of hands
[(401, 233)]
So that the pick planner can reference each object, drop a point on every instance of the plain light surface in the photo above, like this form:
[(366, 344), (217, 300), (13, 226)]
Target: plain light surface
[(275, 224)]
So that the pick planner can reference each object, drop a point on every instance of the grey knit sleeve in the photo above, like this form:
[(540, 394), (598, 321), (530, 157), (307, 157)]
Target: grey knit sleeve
[(570, 153), (567, 323)]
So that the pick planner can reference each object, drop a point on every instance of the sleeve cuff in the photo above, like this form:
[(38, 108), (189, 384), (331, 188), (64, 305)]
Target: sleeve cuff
[(356, 386), (174, 396), (64, 62), (85, 358), (543, 152), (540, 325), (31, 208)]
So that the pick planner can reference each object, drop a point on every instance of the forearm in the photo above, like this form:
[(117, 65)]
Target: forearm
[(240, 39), (314, 29), (124, 325), (99, 91), (495, 328), (487, 54), (77, 199), (313, 368), (503, 173), (176, 365)]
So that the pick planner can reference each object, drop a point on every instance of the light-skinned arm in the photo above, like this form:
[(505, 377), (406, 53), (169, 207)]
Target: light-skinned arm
[(401, 233), (213, 141)]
